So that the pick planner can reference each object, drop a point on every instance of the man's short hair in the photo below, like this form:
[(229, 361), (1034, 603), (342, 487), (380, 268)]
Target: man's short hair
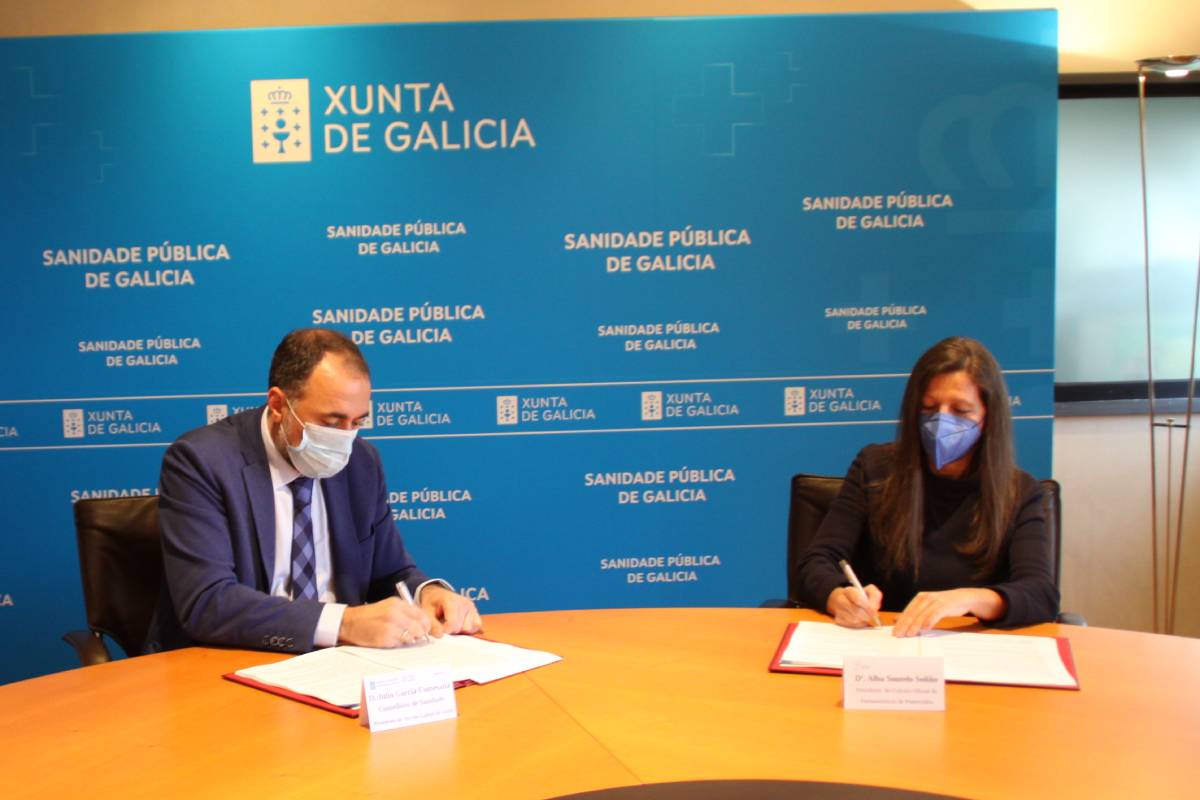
[(301, 350)]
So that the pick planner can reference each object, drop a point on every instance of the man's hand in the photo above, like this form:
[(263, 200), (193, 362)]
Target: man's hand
[(928, 608), (848, 608), (450, 611), (388, 623)]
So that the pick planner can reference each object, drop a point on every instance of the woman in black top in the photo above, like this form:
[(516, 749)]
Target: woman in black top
[(940, 522)]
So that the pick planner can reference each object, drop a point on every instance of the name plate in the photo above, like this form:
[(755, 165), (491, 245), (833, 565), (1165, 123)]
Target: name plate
[(411, 697), (894, 683)]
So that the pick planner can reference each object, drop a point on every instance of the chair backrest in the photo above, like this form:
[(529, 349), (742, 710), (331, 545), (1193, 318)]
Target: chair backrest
[(120, 560), (812, 496), (1052, 508)]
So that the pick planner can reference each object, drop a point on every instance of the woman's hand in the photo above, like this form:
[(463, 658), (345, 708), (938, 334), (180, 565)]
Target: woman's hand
[(928, 608), (848, 608)]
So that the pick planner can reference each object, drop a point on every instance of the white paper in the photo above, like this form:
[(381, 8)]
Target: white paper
[(335, 674), (992, 658), (823, 644), (973, 657), (468, 657), (330, 675)]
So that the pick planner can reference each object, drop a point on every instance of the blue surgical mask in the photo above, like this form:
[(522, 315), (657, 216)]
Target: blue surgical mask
[(947, 437), (323, 452)]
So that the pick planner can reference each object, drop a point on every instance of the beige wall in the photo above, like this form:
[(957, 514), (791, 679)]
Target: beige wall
[(1094, 35), (1102, 462)]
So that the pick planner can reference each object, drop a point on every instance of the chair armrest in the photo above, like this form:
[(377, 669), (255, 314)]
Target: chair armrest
[(1070, 618), (89, 647), (779, 602)]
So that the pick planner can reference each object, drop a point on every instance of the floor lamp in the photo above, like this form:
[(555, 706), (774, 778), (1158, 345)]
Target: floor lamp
[(1164, 600)]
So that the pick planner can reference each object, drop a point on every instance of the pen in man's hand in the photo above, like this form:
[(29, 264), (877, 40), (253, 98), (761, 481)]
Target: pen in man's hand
[(407, 597), (850, 576)]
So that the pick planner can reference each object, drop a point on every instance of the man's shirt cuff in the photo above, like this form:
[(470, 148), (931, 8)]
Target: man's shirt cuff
[(438, 581), (329, 624)]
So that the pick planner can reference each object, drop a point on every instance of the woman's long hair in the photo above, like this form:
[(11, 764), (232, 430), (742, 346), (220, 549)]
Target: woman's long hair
[(900, 514)]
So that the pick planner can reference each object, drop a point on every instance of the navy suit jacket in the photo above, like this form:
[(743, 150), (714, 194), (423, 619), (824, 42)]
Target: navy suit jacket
[(217, 514)]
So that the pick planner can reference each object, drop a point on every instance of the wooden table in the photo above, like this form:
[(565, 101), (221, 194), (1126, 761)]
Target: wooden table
[(642, 696)]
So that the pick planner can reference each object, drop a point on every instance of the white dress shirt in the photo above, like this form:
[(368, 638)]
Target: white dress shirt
[(329, 624), (282, 474)]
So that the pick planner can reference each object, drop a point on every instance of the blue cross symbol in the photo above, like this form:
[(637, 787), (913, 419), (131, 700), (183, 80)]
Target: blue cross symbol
[(787, 77), (719, 110), (101, 154), (25, 107)]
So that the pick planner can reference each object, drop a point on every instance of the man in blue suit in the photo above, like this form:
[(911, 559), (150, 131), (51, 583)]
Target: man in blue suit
[(275, 524)]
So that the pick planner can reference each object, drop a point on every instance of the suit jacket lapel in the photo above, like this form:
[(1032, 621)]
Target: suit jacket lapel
[(343, 542), (260, 494)]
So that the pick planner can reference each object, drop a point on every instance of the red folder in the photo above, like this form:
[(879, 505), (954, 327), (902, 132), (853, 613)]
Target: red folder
[(1064, 652), (307, 698)]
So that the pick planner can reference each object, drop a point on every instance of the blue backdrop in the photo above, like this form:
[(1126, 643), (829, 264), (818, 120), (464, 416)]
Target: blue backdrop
[(617, 280)]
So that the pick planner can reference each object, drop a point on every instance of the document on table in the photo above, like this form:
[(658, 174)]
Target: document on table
[(335, 674), (969, 657)]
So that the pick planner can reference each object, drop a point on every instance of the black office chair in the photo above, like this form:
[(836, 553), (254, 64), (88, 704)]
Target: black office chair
[(812, 495), (120, 561)]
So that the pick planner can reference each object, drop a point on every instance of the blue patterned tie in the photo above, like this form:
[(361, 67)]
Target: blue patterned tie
[(304, 583)]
